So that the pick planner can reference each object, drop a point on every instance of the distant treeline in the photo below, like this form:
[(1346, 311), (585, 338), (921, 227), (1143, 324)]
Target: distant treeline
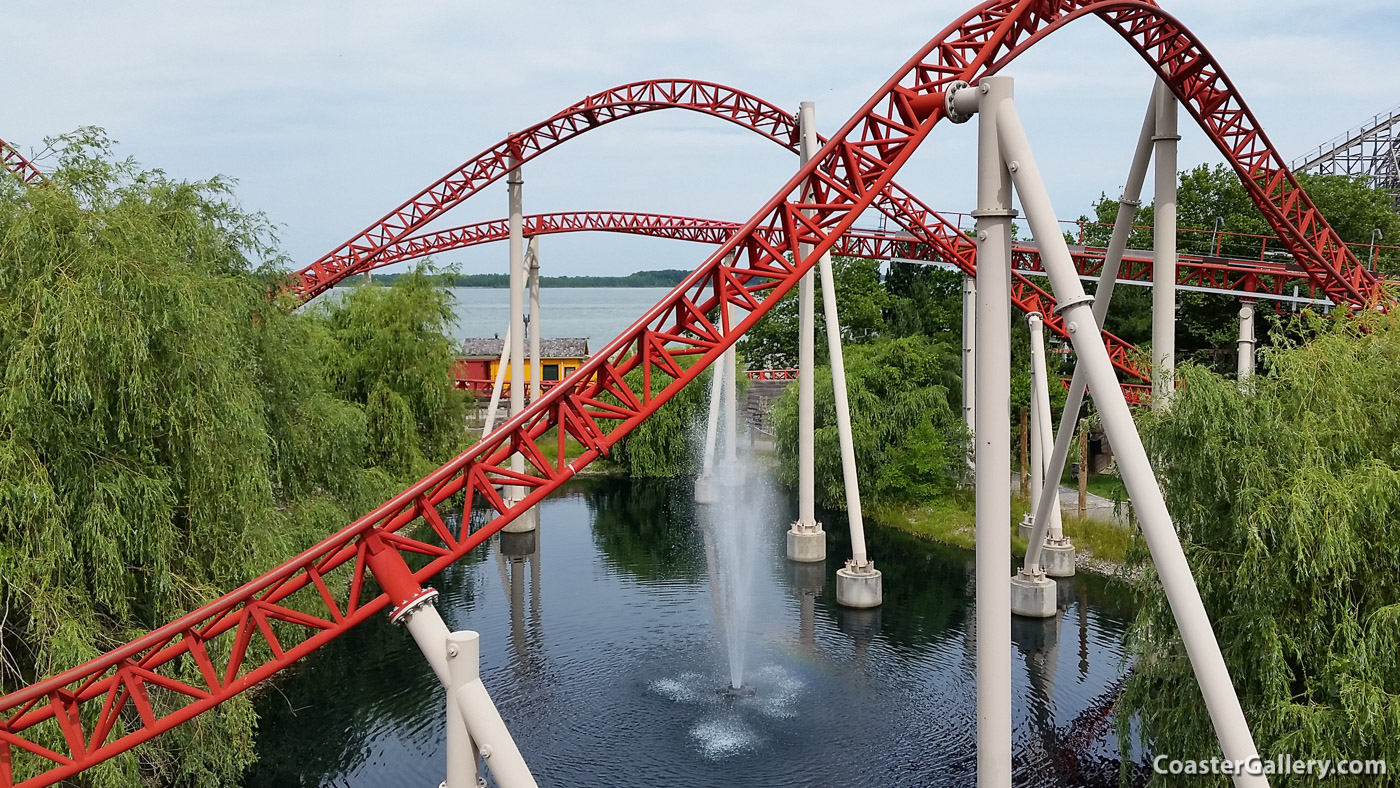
[(666, 278)]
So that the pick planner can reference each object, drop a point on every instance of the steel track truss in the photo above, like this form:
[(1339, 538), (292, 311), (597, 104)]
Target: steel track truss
[(923, 224), (127, 696), (1248, 277), (15, 162)]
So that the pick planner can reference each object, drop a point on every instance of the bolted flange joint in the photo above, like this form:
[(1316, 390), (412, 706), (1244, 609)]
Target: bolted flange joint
[(956, 109), (402, 613), (1070, 303)]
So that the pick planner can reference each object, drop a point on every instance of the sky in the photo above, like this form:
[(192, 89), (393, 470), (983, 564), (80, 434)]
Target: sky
[(331, 114)]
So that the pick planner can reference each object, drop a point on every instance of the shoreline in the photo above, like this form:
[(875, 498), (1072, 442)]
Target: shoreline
[(1100, 547)]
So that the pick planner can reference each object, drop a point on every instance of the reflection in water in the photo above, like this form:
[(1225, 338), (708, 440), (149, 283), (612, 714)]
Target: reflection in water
[(517, 554), (805, 581), (610, 681)]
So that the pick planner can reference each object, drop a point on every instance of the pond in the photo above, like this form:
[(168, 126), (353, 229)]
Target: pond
[(601, 648)]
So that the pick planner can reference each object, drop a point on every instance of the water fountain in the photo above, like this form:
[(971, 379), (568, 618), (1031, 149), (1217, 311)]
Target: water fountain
[(729, 519), (729, 525)]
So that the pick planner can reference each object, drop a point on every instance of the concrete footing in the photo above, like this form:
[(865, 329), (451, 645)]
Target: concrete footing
[(1057, 558), (528, 521), (859, 587), (806, 543), (705, 490), (1027, 523), (1032, 596)]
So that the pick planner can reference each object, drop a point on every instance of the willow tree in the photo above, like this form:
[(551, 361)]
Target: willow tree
[(396, 340), (904, 396), (165, 432), (668, 443), (1287, 499)]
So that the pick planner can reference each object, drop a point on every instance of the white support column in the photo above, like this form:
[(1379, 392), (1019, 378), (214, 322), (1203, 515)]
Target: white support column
[(456, 661), (993, 440), (1184, 598), (1164, 251), (858, 584), (1037, 459), (488, 731), (532, 268), (497, 387), (1122, 228), (969, 374), (462, 754), (514, 183), (806, 541), (1245, 366), (1058, 553)]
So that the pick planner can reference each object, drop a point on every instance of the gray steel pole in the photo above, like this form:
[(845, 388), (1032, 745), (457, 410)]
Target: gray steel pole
[(1170, 560), (993, 442), (1113, 259), (1164, 251), (532, 260), (514, 183)]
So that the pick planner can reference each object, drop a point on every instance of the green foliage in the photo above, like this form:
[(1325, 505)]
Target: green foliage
[(400, 338), (909, 439), (392, 441), (772, 344), (924, 300), (664, 446), (166, 433), (1288, 502), (1207, 325)]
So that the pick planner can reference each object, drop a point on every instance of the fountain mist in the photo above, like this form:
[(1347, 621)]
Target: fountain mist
[(734, 511)]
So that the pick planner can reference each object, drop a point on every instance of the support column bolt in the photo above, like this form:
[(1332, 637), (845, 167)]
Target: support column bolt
[(960, 109), (402, 613)]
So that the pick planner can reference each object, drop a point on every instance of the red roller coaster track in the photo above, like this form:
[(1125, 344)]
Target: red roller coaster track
[(1249, 277), (23, 168), (131, 694), (925, 225)]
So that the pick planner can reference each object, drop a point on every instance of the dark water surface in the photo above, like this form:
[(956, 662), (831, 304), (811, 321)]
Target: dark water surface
[(602, 652)]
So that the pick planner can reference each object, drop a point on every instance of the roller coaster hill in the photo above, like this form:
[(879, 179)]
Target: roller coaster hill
[(60, 725)]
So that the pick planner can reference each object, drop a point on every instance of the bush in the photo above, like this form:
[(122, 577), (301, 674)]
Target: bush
[(909, 439), (665, 445)]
